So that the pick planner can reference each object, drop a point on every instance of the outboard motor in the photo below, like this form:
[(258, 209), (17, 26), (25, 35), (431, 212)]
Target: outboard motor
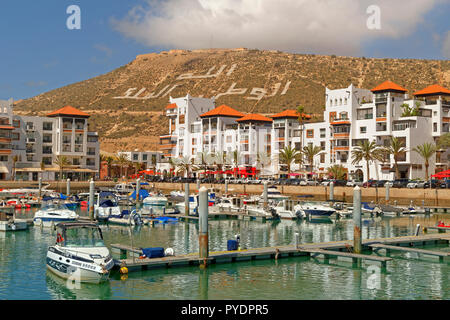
[(273, 212), (137, 219)]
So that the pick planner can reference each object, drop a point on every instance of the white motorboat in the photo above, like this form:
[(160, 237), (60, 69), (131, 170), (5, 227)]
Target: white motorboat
[(12, 224), (261, 211), (127, 218), (156, 200), (79, 253), (316, 210), (284, 210), (107, 206), (274, 194), (53, 213), (193, 204)]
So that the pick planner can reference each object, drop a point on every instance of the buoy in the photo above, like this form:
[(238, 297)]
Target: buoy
[(124, 270)]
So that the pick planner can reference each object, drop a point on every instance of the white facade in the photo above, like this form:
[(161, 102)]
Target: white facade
[(149, 159), (31, 145), (351, 115)]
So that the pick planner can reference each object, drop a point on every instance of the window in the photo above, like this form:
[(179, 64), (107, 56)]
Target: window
[(15, 136), (310, 133), (47, 150), (92, 139), (47, 126), (90, 162), (16, 123), (135, 157), (323, 133), (322, 158), (363, 129), (4, 158), (322, 145), (434, 127), (144, 157), (76, 161), (194, 141), (47, 138)]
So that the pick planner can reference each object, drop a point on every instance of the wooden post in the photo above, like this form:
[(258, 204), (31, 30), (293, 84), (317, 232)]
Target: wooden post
[(357, 241), (265, 193), (40, 191), (226, 186), (387, 192)]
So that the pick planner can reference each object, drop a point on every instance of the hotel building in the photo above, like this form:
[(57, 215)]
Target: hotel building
[(351, 115), (29, 145)]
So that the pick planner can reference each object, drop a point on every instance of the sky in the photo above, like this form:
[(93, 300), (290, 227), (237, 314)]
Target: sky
[(39, 53)]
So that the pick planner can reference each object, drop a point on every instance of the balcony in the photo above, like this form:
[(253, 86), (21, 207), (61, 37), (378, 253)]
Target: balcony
[(31, 140), (67, 148), (30, 128), (30, 151), (78, 148)]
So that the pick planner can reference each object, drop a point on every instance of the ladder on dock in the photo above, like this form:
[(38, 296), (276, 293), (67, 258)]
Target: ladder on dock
[(379, 246), (354, 256)]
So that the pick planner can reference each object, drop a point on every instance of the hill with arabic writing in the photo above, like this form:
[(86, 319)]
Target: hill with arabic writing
[(127, 104)]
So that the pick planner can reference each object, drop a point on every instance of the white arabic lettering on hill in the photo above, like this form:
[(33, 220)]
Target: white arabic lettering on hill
[(255, 93)]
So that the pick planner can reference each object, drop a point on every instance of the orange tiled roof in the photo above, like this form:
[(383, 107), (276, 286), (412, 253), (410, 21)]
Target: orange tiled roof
[(171, 106), (68, 111), (434, 89), (255, 117), (388, 85), (290, 114), (225, 111)]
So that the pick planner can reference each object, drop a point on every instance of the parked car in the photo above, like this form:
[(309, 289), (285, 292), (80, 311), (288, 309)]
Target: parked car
[(414, 184), (325, 182), (434, 184), (380, 183), (445, 184), (400, 183), (303, 182), (311, 183), (369, 183)]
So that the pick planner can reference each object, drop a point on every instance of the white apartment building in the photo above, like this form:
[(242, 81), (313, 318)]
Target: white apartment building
[(351, 115), (29, 145), (149, 159)]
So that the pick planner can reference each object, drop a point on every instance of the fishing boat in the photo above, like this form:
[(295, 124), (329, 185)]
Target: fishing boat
[(156, 200), (107, 206), (53, 213), (315, 210), (79, 253)]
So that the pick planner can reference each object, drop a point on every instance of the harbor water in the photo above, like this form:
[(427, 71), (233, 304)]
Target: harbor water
[(23, 273)]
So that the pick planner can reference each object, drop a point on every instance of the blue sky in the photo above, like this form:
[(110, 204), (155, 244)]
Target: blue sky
[(39, 53)]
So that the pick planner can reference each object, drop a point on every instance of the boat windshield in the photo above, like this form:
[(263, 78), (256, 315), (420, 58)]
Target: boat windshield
[(53, 206), (84, 237)]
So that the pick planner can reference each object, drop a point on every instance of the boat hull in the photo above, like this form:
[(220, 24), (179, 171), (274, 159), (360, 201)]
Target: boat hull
[(15, 226), (47, 222)]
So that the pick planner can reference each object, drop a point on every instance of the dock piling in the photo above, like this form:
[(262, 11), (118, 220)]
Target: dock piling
[(68, 187), (40, 190), (331, 191), (357, 241), (203, 253), (387, 193), (138, 191), (186, 198), (198, 184), (91, 199), (265, 193), (226, 186)]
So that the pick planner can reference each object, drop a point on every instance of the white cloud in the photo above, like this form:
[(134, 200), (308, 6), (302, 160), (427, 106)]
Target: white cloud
[(446, 46), (320, 26)]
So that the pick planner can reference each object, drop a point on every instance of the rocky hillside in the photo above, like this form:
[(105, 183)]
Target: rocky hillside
[(127, 104)]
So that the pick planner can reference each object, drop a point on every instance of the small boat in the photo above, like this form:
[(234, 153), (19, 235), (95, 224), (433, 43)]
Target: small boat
[(193, 204), (80, 253), (274, 194), (127, 218), (17, 204), (441, 224), (11, 224), (156, 200), (107, 206), (315, 210), (261, 211), (283, 210), (53, 213), (177, 195)]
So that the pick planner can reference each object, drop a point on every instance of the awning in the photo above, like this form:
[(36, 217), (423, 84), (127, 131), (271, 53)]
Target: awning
[(4, 170), (28, 170)]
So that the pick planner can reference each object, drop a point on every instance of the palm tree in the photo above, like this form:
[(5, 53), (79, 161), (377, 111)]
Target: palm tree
[(288, 155), (368, 151), (426, 151), (61, 162), (236, 158), (121, 160), (397, 149), (444, 141), (184, 163), (221, 159), (310, 152), (263, 158), (109, 162), (336, 171)]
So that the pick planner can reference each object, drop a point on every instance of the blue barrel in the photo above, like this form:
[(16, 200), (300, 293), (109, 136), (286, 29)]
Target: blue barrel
[(232, 245)]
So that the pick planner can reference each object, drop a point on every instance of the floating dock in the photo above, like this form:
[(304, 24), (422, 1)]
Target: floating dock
[(338, 249)]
